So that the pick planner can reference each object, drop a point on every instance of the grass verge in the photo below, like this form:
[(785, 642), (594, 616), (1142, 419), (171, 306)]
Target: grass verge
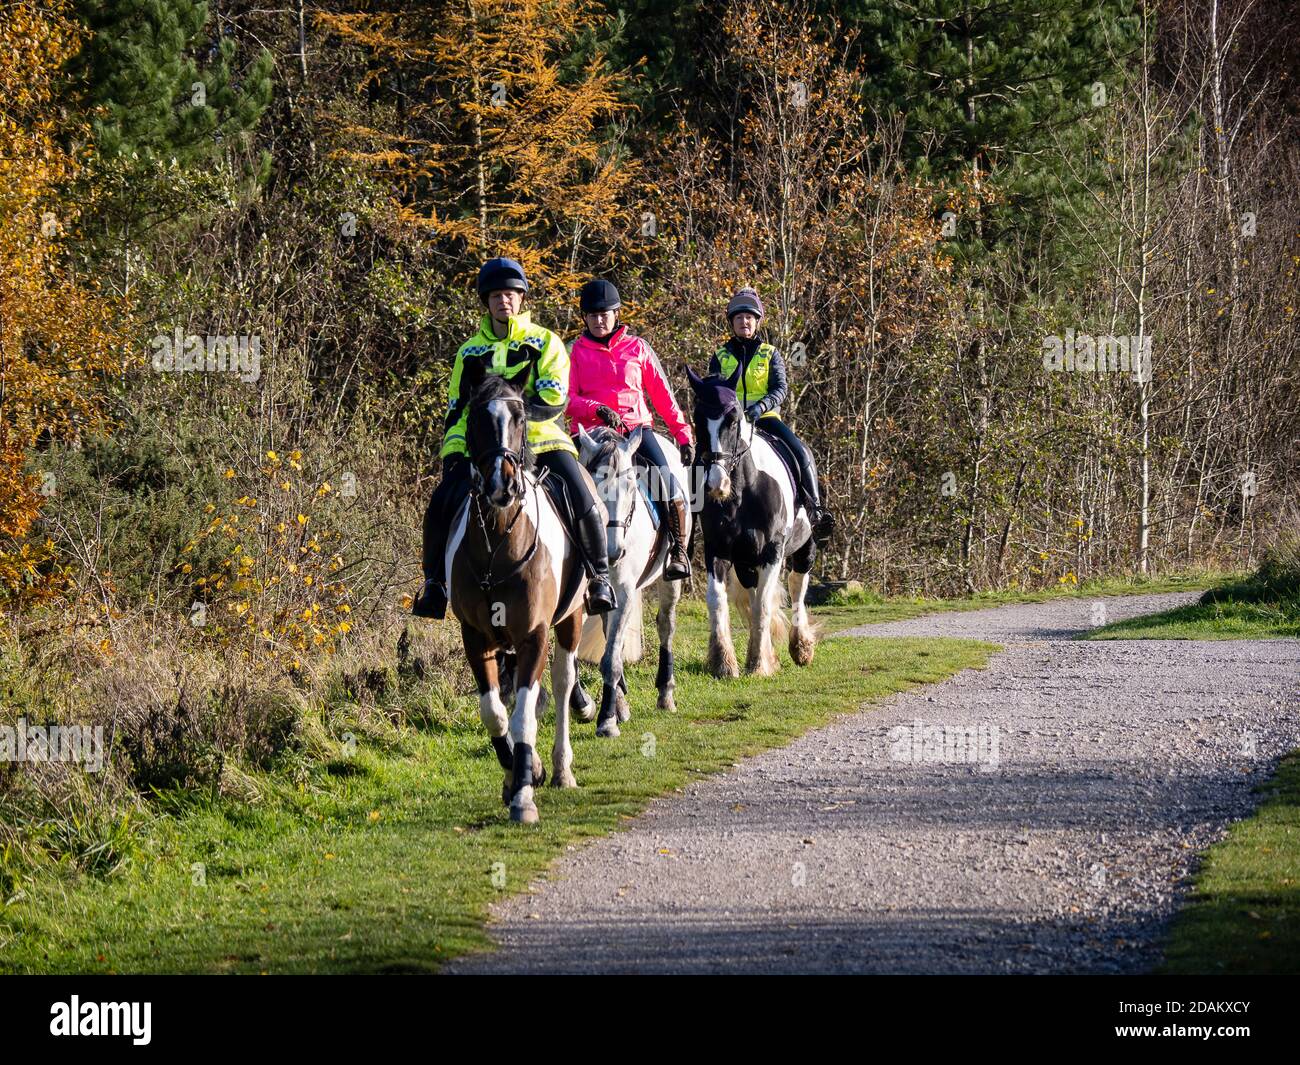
[(1244, 912), (866, 608)]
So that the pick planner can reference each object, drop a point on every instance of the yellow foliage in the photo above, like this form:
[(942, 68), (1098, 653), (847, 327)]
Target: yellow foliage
[(55, 331)]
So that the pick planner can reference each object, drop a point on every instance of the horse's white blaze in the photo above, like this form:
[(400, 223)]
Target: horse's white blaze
[(718, 483), (499, 411), (493, 712), (523, 722)]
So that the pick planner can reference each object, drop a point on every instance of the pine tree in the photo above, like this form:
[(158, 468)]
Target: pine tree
[(157, 102), (1000, 98)]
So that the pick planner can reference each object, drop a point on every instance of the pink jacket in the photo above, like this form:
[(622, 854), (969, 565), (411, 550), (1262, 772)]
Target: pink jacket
[(620, 372)]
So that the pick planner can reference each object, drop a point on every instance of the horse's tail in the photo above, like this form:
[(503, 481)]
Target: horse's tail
[(740, 599), (592, 645)]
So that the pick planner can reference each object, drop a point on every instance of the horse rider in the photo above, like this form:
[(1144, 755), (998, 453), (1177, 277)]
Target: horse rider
[(762, 389), (508, 343), (614, 373)]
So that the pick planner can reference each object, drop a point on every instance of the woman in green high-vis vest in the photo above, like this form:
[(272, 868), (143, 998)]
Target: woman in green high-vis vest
[(761, 389)]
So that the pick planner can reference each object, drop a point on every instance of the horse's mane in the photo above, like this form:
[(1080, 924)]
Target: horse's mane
[(607, 439)]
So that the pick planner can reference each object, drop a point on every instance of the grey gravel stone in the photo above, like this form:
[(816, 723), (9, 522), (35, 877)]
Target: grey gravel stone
[(1055, 831)]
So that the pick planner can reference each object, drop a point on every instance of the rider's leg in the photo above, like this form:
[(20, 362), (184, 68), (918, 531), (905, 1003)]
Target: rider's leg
[(431, 602), (678, 565), (589, 529), (823, 522)]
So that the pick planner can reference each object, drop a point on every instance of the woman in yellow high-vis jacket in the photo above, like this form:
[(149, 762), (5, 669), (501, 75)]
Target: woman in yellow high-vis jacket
[(510, 344), (761, 389)]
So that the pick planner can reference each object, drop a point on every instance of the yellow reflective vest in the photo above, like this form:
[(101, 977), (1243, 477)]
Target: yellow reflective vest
[(510, 356), (754, 385)]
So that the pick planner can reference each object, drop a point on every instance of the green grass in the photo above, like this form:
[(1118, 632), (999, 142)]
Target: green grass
[(1241, 609), (1244, 912), (386, 862)]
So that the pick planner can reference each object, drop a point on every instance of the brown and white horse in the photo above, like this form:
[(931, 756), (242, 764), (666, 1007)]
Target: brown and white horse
[(515, 573)]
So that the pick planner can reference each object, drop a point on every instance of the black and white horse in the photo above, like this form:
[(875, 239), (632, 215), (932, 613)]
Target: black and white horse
[(751, 526)]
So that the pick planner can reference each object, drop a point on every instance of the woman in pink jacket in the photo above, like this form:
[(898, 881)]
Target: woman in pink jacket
[(611, 374)]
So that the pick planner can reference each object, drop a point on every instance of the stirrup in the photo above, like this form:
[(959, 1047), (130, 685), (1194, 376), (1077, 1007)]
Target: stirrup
[(679, 572), (430, 601), (598, 604)]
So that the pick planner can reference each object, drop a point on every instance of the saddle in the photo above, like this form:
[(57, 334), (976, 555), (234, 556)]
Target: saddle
[(787, 456), (559, 497)]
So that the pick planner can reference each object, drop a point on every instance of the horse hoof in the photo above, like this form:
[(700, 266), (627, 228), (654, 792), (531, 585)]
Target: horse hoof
[(587, 712), (608, 728), (524, 815), (801, 648), (667, 702), (564, 780), (621, 708)]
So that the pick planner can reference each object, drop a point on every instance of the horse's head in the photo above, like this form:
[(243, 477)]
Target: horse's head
[(720, 428), (609, 457), (495, 430)]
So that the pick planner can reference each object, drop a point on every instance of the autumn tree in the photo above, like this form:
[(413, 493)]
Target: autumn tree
[(805, 200), (54, 327), (491, 146)]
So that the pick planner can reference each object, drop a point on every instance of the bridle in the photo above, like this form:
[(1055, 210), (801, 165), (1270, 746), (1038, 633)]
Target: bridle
[(518, 493), (709, 457), (624, 523)]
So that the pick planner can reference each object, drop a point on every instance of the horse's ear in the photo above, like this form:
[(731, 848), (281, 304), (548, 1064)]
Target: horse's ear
[(695, 379), (586, 445), (732, 381), (472, 374), (633, 442)]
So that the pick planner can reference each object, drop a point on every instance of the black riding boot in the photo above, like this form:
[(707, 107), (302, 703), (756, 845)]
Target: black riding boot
[(591, 541), (431, 601), (822, 520), (678, 565)]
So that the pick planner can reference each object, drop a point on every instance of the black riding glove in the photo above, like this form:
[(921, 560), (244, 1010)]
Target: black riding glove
[(610, 417), (688, 453)]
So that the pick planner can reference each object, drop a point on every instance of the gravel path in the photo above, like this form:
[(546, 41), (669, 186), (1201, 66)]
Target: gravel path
[(1039, 816)]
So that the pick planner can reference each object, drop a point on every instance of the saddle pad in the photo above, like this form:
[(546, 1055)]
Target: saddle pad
[(787, 459)]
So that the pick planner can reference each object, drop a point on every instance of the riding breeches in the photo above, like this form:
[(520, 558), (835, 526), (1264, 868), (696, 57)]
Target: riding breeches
[(652, 454)]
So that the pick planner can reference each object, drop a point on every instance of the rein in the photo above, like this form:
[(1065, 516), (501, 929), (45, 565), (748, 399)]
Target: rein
[(486, 580)]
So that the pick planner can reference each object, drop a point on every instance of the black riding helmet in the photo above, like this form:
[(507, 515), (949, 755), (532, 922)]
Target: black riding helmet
[(497, 274), (598, 295)]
